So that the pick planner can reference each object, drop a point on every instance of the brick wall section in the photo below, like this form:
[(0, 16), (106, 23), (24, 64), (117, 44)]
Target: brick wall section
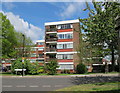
[(76, 29), (47, 27)]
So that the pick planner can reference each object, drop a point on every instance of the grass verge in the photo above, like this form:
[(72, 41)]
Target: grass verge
[(108, 86)]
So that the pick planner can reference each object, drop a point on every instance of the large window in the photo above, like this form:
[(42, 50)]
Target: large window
[(65, 46), (65, 36), (64, 26), (66, 66), (41, 55), (33, 49), (32, 60), (65, 56), (40, 43), (41, 61), (40, 48), (33, 55)]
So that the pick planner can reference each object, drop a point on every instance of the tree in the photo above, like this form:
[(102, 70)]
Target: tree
[(51, 67), (27, 46), (86, 52), (100, 25), (11, 39)]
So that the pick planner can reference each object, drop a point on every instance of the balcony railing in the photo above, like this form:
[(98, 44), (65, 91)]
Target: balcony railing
[(50, 59), (51, 50), (51, 39), (51, 29)]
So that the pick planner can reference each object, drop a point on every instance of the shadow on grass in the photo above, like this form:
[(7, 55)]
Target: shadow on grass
[(101, 80)]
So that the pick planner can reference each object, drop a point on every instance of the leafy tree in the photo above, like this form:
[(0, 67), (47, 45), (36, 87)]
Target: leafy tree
[(51, 67), (11, 39), (86, 52), (100, 25), (27, 46)]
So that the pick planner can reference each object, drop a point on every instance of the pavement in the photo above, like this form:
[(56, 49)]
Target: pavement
[(51, 83), (87, 75)]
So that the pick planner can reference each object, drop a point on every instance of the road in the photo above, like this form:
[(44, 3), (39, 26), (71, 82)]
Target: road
[(35, 83), (52, 83)]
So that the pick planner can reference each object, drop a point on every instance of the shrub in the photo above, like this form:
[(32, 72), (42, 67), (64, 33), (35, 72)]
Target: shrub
[(31, 68), (17, 64), (51, 67), (81, 68)]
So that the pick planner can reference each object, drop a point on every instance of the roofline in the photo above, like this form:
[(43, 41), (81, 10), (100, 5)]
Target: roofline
[(40, 40), (62, 22)]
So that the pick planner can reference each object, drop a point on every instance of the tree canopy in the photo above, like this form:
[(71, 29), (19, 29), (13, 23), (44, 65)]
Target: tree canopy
[(100, 25), (10, 38)]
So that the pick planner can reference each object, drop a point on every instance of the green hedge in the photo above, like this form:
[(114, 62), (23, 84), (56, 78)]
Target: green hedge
[(81, 68)]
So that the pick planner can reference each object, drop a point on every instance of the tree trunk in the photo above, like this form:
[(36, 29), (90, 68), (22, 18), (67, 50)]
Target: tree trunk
[(113, 59), (106, 67)]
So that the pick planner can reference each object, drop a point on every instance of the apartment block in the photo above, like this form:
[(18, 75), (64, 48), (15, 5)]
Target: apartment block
[(37, 53), (61, 42)]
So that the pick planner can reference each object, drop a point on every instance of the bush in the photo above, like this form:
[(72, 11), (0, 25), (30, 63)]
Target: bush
[(81, 68), (51, 67), (31, 68)]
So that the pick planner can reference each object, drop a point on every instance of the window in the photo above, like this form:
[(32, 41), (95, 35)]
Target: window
[(33, 55), (59, 57), (41, 55), (40, 43), (41, 61), (60, 46), (65, 56), (40, 48), (69, 45), (65, 36), (60, 36), (69, 36), (33, 49), (65, 46), (32, 60), (66, 66), (64, 26)]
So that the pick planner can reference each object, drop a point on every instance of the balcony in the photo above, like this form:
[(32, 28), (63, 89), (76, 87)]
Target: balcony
[(51, 50), (51, 39), (51, 30), (50, 59)]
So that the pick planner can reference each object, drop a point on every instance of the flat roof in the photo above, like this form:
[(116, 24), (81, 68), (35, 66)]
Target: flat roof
[(62, 22), (40, 40)]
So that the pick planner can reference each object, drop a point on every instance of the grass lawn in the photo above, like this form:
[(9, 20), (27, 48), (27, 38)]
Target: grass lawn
[(8, 74), (94, 87)]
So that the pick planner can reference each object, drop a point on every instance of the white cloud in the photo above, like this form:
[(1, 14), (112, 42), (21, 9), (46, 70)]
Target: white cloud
[(71, 9), (20, 25)]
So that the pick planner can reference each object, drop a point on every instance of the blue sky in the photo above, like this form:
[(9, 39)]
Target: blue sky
[(29, 17)]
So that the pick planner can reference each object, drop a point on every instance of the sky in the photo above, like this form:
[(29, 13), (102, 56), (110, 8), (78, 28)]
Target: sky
[(30, 17)]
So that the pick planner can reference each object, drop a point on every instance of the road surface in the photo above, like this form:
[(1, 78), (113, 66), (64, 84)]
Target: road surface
[(52, 83)]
